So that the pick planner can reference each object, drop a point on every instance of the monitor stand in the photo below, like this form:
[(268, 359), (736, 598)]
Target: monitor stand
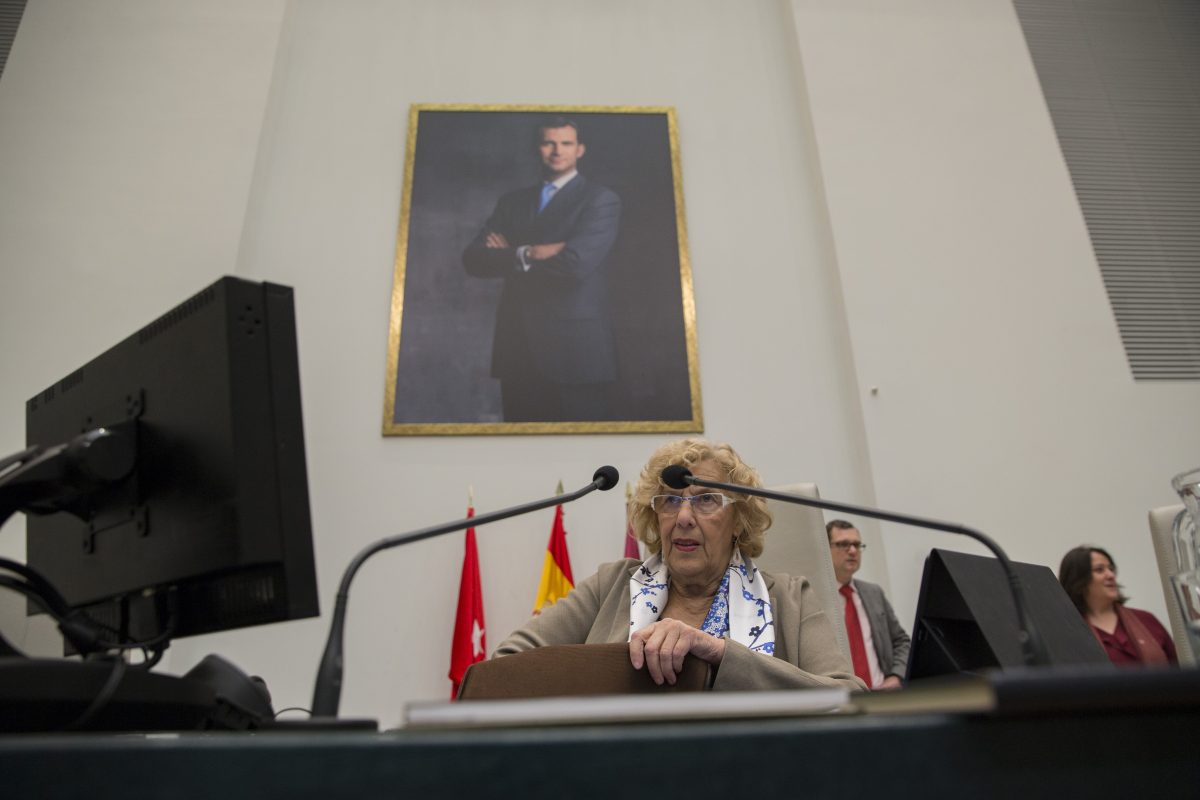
[(46, 694)]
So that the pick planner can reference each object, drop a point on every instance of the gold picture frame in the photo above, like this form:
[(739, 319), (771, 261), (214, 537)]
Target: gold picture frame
[(486, 337)]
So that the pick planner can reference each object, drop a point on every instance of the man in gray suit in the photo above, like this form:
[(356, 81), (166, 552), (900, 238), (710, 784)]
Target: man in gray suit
[(878, 644), (553, 350)]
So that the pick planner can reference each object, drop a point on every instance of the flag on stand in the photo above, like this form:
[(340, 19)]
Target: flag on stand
[(631, 542), (556, 568), (470, 640)]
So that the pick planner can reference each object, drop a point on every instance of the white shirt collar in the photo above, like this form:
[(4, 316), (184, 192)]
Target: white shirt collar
[(564, 180)]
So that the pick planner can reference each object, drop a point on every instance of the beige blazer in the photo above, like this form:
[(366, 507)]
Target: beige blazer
[(806, 652)]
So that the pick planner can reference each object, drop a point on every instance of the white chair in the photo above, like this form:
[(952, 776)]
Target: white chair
[(797, 545), (1162, 522)]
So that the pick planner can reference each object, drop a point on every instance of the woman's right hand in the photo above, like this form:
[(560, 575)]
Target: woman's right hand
[(662, 646)]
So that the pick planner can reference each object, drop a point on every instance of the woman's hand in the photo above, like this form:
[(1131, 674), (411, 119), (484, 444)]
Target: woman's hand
[(662, 645)]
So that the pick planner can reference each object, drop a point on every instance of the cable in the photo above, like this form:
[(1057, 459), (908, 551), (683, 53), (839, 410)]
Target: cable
[(150, 658), (40, 584), (21, 587), (102, 698), (293, 708), (83, 632)]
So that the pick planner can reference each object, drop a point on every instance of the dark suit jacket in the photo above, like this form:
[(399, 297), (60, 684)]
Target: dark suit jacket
[(557, 314), (890, 639)]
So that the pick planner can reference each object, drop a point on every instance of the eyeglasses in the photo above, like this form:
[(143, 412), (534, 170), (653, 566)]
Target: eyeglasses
[(703, 504), (847, 545)]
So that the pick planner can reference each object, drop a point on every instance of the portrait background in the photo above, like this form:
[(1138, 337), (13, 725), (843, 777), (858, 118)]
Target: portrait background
[(460, 164)]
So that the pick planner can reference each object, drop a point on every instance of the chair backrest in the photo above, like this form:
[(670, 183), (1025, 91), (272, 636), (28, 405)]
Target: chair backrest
[(572, 670), (1162, 521), (797, 545)]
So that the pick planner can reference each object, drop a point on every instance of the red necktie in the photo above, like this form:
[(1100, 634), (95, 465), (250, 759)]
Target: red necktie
[(854, 632)]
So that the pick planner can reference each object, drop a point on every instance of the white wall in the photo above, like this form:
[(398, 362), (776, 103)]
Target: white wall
[(856, 218), (128, 132), (322, 212), (974, 299)]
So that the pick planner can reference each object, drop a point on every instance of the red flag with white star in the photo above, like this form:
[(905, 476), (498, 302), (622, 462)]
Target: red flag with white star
[(470, 640)]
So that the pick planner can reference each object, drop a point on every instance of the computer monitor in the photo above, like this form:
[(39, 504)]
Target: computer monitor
[(211, 529), (966, 621)]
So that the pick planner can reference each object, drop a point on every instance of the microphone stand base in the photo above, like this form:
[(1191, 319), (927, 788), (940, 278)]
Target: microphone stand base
[(322, 724)]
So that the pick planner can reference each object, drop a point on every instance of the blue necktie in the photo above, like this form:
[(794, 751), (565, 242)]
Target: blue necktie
[(548, 190)]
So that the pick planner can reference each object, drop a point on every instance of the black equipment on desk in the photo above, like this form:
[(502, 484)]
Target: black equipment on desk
[(965, 624), (42, 694), (165, 485)]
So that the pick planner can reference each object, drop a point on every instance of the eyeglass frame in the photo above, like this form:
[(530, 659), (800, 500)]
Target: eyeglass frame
[(845, 546), (679, 499)]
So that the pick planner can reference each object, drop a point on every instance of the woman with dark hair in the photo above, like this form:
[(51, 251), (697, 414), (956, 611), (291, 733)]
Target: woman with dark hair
[(1130, 636)]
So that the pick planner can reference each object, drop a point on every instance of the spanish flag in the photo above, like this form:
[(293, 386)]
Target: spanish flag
[(556, 569)]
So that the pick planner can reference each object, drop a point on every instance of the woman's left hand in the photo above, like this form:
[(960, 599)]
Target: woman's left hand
[(661, 647)]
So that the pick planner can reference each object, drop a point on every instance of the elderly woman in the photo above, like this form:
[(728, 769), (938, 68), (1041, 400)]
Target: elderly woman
[(699, 593), (1130, 636)]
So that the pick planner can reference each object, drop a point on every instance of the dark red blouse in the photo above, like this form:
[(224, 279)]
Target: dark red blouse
[(1121, 650)]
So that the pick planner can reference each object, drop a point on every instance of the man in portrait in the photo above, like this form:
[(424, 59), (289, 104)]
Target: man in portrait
[(553, 350)]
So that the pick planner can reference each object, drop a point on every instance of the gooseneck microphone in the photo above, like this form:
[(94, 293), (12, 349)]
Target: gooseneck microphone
[(327, 692), (1033, 649)]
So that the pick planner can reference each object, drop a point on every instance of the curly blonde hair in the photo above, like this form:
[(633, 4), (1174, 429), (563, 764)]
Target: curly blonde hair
[(751, 517)]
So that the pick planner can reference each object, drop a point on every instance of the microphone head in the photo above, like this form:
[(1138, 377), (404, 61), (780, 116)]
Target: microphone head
[(676, 476), (606, 478)]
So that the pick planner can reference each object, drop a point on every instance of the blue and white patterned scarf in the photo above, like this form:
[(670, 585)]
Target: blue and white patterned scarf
[(743, 615)]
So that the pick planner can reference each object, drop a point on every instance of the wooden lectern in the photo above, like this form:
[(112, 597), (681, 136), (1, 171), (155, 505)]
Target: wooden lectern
[(572, 670)]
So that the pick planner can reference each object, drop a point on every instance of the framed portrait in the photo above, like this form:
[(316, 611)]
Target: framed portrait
[(542, 282)]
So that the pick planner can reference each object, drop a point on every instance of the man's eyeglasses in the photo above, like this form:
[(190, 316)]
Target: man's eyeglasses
[(845, 546), (703, 504)]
